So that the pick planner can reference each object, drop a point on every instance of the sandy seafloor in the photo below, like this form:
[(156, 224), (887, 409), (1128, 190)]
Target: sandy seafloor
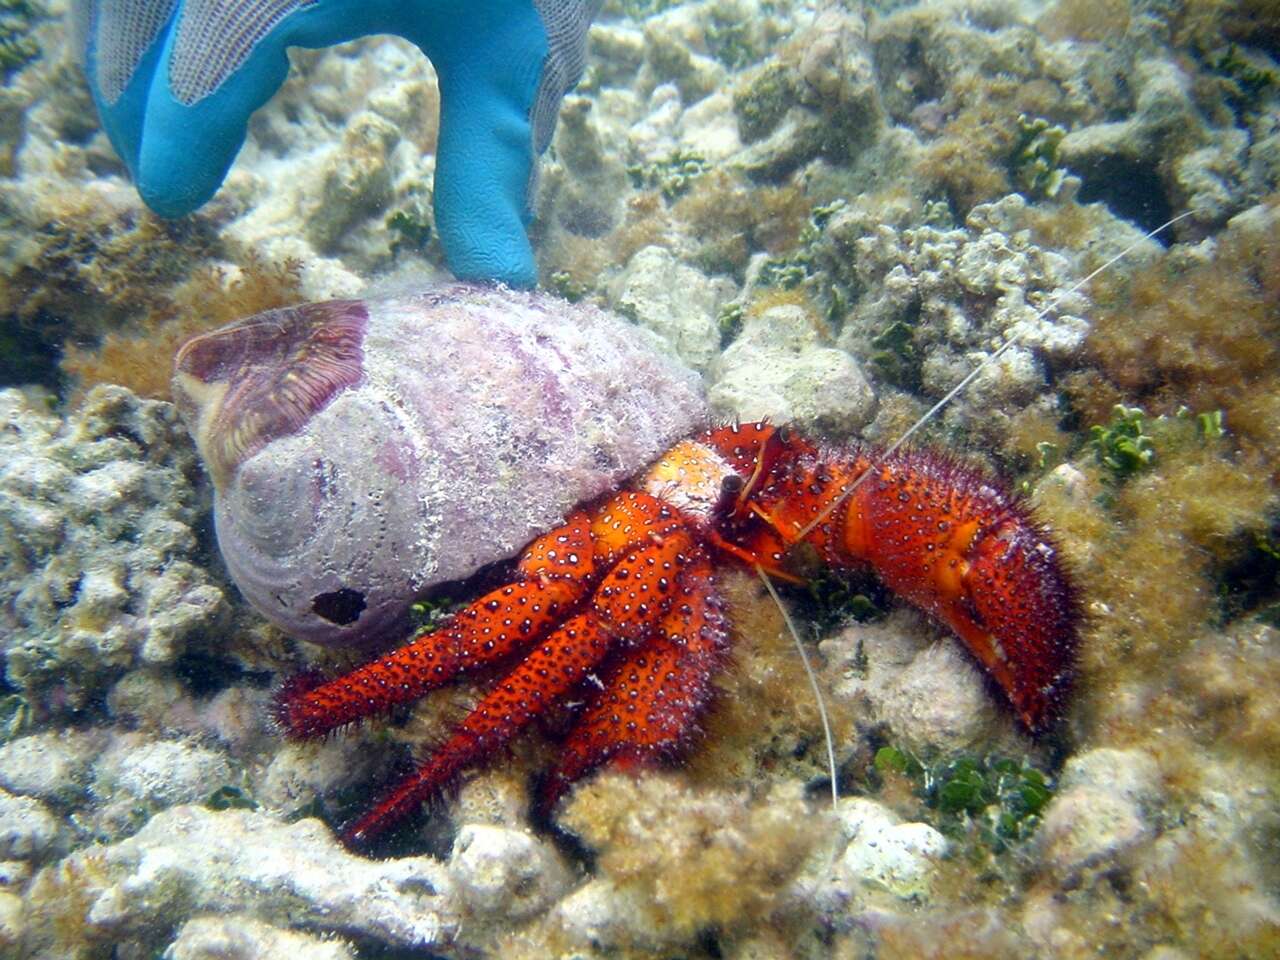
[(833, 212)]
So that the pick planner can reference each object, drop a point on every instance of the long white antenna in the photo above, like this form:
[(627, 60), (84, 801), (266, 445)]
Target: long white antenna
[(1014, 339), (813, 683)]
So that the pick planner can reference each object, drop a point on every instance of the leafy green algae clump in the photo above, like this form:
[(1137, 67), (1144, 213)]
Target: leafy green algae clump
[(1035, 160), (1121, 446), (671, 176), (994, 800)]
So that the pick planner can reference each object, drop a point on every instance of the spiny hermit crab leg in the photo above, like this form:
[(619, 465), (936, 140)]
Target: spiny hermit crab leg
[(652, 696), (626, 603), (554, 573)]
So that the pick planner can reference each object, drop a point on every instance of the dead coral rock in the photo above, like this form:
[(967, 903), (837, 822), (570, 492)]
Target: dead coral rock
[(301, 774), (1203, 167), (1089, 828), (885, 854), (818, 97), (506, 872), (1107, 806), (675, 301), (778, 369), (28, 829), (12, 921), (838, 79), (136, 775), (238, 937), (357, 180), (91, 261), (589, 202), (676, 52), (190, 860), (901, 673), (1130, 774), (52, 765), (940, 702), (97, 526)]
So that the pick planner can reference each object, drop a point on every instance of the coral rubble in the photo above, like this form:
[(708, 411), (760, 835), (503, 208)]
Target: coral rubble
[(834, 212), (102, 565)]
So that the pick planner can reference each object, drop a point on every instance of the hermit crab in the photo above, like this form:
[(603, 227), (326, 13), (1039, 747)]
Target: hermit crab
[(617, 607)]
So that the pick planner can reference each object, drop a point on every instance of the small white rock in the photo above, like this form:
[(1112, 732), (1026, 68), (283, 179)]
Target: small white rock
[(939, 700), (676, 302), (884, 853), (1088, 827), (498, 869), (51, 765), (14, 875), (778, 369), (198, 861), (603, 916), (243, 938), (1130, 774), (28, 829), (11, 920), (158, 773)]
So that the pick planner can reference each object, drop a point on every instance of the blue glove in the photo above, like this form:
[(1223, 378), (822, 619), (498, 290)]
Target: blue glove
[(176, 80)]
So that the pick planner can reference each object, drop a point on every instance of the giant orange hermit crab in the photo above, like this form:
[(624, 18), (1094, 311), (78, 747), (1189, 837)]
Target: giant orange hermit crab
[(619, 606), (346, 478)]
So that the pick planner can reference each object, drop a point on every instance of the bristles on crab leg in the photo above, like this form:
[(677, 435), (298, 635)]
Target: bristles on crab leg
[(990, 360), (554, 666), (554, 573), (629, 601), (652, 695)]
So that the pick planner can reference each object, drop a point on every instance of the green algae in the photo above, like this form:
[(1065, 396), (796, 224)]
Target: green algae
[(1035, 161), (992, 800), (410, 229), (229, 797), (15, 716), (1252, 82), (672, 176), (729, 321), (790, 270), (761, 102), (563, 285), (895, 355), (1121, 445)]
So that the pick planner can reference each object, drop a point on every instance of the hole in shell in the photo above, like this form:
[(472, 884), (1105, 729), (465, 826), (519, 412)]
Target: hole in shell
[(342, 607)]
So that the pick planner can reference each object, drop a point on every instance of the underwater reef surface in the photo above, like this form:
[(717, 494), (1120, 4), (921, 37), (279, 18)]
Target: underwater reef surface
[(833, 212)]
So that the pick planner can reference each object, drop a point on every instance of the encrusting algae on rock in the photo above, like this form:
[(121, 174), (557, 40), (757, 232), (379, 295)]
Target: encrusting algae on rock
[(723, 861)]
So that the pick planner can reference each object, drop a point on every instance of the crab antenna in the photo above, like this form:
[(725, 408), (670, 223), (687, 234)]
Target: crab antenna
[(1014, 338), (813, 683)]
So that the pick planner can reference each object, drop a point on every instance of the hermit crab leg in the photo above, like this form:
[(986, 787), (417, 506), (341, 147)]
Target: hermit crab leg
[(629, 602), (555, 573), (651, 696)]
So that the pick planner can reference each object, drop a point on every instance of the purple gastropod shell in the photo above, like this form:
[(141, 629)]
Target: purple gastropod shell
[(364, 450)]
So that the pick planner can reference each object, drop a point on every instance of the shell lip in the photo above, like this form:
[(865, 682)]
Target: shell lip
[(246, 384)]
